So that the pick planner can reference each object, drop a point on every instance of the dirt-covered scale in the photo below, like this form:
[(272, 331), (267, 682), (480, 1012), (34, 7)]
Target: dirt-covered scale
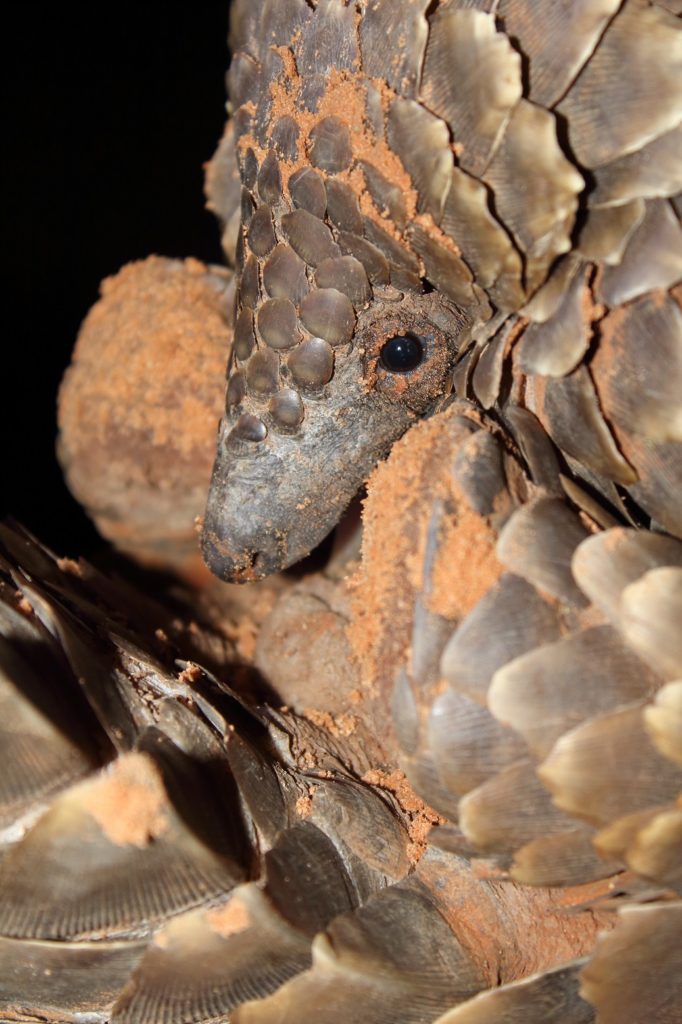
[(440, 778)]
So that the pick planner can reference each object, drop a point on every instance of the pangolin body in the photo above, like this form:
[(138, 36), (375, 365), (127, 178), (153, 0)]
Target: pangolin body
[(457, 221)]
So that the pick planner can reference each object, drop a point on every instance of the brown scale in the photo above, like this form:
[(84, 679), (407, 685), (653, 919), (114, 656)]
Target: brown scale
[(284, 274), (328, 313), (343, 208), (347, 275), (307, 191)]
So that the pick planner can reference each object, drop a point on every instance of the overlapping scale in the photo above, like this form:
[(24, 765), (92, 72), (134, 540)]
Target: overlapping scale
[(639, 778), (652, 257), (570, 411), (39, 756), (556, 39), (663, 720), (538, 543), (422, 141), (330, 145), (645, 422), (205, 963), (541, 737), (541, 216), (647, 41), (307, 191), (284, 274), (608, 229), (312, 363), (650, 610), (608, 562), (444, 266), (494, 816), (478, 100), (110, 856), (486, 247), (627, 985), (393, 48), (552, 997), (329, 42), (387, 197), (555, 346), (655, 170), (536, 693), (64, 981), (343, 207), (277, 323), (396, 957), (347, 275), (285, 138), (256, 27), (260, 233), (509, 620), (328, 313), (372, 259), (309, 237)]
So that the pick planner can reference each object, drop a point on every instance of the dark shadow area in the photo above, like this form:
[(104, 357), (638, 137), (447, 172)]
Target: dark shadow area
[(111, 116)]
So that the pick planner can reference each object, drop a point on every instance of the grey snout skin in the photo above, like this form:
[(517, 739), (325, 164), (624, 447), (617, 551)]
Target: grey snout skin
[(272, 501)]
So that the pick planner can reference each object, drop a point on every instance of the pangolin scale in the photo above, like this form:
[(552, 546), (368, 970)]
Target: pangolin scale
[(455, 228)]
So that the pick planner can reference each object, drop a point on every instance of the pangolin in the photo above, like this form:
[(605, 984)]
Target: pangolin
[(458, 222)]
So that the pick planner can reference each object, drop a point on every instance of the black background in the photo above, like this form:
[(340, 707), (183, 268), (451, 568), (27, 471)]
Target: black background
[(111, 116)]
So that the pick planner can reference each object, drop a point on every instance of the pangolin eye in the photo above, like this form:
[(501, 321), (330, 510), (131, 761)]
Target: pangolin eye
[(402, 353)]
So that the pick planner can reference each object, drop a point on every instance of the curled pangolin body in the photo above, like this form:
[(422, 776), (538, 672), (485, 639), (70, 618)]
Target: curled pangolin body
[(497, 179)]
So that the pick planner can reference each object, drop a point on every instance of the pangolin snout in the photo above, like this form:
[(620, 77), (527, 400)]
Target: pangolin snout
[(274, 496)]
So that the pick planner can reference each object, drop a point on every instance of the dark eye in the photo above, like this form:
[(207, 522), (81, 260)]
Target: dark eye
[(402, 353)]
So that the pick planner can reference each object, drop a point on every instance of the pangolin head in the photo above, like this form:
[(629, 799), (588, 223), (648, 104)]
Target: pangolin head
[(365, 258)]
